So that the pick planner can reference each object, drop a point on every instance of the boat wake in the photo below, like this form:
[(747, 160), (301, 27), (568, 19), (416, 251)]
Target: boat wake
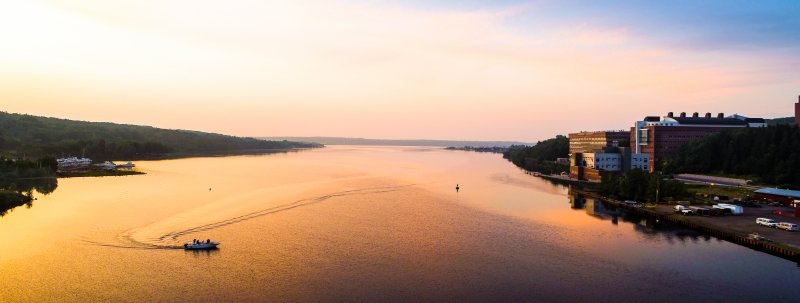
[(170, 240), (132, 245)]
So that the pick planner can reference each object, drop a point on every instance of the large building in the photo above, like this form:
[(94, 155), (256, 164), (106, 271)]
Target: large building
[(593, 153), (660, 137), (597, 141), (784, 196)]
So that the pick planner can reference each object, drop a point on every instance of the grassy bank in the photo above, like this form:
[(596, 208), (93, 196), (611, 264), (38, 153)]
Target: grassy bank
[(704, 193)]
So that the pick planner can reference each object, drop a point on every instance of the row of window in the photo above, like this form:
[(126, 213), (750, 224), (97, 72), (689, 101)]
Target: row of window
[(608, 167), (607, 159)]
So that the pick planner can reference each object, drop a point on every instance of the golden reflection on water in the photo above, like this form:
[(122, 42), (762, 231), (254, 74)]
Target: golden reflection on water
[(340, 223)]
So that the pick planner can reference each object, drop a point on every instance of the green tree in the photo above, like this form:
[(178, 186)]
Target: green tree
[(654, 187), (540, 157), (768, 155)]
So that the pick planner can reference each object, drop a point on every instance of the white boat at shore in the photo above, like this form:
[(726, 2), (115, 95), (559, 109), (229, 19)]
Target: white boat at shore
[(200, 245), (126, 165), (73, 162), (108, 165)]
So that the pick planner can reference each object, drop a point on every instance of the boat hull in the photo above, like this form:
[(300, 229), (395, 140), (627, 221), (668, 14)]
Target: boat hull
[(200, 246)]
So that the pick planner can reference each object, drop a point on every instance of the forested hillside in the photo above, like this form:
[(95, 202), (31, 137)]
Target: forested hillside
[(541, 156), (33, 137), (770, 155)]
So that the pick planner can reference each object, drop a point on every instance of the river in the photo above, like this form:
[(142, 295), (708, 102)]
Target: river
[(356, 223)]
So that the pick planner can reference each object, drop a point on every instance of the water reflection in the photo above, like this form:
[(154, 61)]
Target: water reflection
[(651, 228), (365, 240), (203, 253), (44, 186)]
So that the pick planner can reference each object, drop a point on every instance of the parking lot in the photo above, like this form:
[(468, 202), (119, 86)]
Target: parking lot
[(746, 223)]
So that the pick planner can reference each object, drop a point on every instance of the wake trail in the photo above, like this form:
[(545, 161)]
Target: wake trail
[(275, 209), (132, 245), (128, 242)]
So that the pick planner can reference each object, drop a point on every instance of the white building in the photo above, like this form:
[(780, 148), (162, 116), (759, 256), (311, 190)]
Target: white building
[(603, 161), (614, 161)]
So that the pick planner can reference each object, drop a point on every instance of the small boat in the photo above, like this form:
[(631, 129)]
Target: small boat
[(108, 165), (200, 245), (126, 165)]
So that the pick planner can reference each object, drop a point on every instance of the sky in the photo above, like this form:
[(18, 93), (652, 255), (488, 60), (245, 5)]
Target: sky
[(464, 70)]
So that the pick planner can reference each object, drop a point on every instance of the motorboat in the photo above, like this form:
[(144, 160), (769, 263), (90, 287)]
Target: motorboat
[(200, 245), (126, 165), (108, 165), (73, 162)]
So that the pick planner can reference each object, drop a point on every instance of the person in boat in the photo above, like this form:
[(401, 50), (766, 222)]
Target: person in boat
[(208, 241)]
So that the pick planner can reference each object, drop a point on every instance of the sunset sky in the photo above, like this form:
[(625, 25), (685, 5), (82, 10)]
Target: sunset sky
[(483, 70)]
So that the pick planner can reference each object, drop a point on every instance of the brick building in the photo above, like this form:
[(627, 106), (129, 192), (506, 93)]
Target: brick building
[(592, 154), (597, 141), (660, 137), (797, 112)]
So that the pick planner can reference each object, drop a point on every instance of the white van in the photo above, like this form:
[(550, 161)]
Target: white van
[(787, 226), (766, 222), (683, 210), (735, 209)]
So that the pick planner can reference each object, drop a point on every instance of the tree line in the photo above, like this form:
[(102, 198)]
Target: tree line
[(31, 137), (642, 186), (767, 155), (540, 157)]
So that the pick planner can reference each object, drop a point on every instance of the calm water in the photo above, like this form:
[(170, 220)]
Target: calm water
[(361, 224)]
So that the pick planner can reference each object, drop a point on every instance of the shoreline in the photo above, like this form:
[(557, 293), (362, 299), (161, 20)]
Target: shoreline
[(245, 152), (97, 173), (719, 227), (172, 156)]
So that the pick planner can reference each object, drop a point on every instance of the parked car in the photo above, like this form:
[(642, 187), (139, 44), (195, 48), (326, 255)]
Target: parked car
[(787, 226), (683, 210), (767, 222), (630, 202), (702, 211)]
